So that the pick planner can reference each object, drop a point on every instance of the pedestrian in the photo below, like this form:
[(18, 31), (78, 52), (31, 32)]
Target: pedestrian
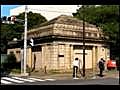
[(101, 66), (118, 63), (75, 67)]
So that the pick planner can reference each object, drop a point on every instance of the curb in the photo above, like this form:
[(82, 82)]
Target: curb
[(19, 75), (69, 76)]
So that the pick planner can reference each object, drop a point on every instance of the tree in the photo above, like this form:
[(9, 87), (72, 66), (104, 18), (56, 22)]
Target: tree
[(34, 19), (10, 31), (104, 16), (10, 62)]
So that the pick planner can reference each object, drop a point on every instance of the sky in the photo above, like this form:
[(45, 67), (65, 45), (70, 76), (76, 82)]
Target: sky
[(47, 11), (5, 9)]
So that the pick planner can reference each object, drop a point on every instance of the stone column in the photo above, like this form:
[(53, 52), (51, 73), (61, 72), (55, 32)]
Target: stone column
[(107, 56), (102, 52), (93, 59), (54, 56), (43, 56), (98, 56), (108, 53), (71, 55), (98, 53), (29, 57), (67, 56)]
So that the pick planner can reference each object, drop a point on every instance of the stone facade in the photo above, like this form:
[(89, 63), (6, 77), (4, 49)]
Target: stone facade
[(59, 41)]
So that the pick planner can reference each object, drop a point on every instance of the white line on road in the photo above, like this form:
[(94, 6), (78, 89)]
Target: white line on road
[(13, 80), (50, 79), (5, 82), (36, 79), (23, 79)]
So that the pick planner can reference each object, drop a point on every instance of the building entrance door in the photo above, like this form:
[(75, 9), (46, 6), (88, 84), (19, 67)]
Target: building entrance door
[(78, 52), (37, 58)]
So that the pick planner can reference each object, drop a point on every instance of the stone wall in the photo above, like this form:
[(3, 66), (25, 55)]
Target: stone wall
[(59, 55)]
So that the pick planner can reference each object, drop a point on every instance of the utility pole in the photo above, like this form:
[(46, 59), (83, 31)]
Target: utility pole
[(21, 60), (83, 41), (25, 41)]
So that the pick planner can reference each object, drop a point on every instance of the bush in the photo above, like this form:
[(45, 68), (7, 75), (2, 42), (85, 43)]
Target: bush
[(10, 62)]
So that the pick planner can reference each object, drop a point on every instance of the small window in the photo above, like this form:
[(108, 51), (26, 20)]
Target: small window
[(60, 55), (102, 49), (95, 34), (89, 34)]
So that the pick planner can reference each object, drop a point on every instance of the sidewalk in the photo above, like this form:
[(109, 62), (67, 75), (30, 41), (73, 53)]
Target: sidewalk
[(114, 74), (68, 76)]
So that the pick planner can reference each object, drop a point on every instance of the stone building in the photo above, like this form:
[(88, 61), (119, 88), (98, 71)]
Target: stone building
[(58, 41)]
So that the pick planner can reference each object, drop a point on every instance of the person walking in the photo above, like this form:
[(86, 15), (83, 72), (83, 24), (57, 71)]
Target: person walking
[(101, 66), (75, 67)]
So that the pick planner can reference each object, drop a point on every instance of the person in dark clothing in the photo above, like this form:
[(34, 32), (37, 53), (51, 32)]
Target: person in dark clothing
[(118, 64), (101, 66)]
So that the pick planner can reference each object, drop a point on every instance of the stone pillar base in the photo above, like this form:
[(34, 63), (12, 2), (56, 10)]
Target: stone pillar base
[(24, 74)]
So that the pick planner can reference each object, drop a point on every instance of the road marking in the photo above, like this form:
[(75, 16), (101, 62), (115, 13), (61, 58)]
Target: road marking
[(75, 78), (23, 79), (5, 82), (13, 80), (50, 79), (36, 79)]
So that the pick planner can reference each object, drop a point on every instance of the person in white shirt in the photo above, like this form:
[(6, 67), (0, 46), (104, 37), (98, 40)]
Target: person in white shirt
[(75, 67)]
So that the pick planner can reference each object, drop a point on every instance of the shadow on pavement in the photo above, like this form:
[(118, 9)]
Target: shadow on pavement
[(100, 75)]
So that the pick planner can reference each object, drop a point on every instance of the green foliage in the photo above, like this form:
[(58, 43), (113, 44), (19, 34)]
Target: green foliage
[(11, 65), (104, 16), (10, 31), (34, 19), (10, 61)]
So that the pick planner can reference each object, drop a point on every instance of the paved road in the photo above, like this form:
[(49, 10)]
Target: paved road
[(50, 81), (108, 81)]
